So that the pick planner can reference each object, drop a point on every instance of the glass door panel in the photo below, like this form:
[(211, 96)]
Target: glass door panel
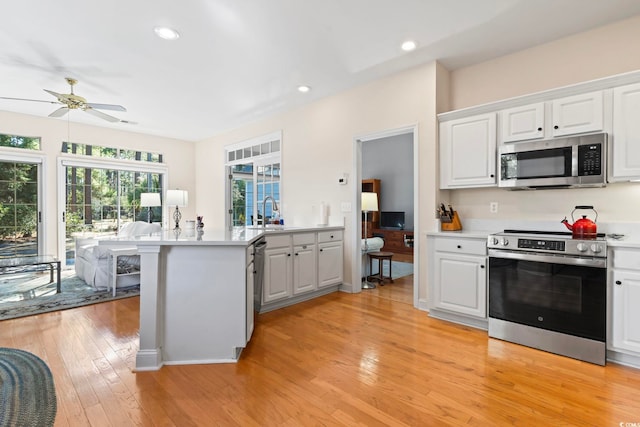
[(99, 201), (18, 209)]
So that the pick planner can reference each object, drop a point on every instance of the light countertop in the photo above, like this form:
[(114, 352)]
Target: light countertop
[(239, 236)]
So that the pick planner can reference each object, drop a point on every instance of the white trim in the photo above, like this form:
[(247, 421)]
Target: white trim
[(277, 135), (106, 163), (357, 214)]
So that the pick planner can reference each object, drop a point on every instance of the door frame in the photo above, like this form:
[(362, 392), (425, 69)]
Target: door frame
[(23, 156), (98, 163), (356, 271)]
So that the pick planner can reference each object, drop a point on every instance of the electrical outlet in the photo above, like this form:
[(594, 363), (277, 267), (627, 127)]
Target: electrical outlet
[(493, 207)]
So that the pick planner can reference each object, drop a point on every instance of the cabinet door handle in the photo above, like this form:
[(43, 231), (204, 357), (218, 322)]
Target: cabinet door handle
[(481, 266), (321, 250), (296, 253), (556, 127), (492, 175), (288, 254), (618, 282), (459, 247), (539, 129), (331, 236)]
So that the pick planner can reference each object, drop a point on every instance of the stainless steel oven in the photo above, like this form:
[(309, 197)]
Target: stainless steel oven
[(548, 291)]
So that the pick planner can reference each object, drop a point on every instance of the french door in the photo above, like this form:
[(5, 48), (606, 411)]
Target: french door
[(99, 197), (20, 206)]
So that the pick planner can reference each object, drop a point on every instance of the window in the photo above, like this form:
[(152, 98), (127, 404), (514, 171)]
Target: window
[(16, 141), (254, 173), (110, 153)]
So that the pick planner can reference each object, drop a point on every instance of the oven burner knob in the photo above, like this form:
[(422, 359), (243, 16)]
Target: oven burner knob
[(582, 247), (596, 248), (505, 242), (495, 241)]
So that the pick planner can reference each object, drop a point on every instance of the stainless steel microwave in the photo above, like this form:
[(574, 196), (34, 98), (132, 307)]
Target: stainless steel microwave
[(577, 161)]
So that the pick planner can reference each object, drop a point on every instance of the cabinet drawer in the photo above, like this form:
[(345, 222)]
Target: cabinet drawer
[(329, 236), (304, 239), (463, 246), (626, 258), (278, 241)]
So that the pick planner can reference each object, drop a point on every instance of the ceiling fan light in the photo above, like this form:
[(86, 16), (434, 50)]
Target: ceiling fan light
[(166, 33)]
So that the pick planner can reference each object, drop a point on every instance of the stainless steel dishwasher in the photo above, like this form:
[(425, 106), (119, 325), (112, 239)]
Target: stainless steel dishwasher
[(258, 264)]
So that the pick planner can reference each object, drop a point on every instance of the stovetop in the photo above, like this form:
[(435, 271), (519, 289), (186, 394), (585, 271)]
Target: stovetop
[(551, 234), (552, 242)]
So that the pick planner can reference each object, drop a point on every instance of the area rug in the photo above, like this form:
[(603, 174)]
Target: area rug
[(74, 293), (27, 391), (398, 269)]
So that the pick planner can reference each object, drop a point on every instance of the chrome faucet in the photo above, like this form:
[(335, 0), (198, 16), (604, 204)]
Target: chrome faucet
[(264, 209)]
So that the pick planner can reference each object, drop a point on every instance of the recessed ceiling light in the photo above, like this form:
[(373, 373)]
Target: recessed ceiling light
[(166, 33), (304, 88), (409, 45)]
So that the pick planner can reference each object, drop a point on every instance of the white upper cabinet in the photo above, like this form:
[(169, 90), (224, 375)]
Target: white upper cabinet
[(523, 123), (577, 114), (468, 152), (563, 116), (625, 144)]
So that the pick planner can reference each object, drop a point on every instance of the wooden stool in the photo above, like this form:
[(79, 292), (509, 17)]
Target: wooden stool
[(381, 257)]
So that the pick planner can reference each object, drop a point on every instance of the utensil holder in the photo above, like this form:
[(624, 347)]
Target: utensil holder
[(454, 225)]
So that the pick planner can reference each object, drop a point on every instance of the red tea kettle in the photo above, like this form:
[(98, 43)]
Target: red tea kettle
[(583, 228)]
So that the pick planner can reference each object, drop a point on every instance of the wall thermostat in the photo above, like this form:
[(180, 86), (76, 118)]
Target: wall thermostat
[(343, 179)]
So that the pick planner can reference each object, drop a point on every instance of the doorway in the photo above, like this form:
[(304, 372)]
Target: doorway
[(401, 201)]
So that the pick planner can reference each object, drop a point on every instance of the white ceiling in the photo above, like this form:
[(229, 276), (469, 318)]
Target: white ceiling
[(239, 60)]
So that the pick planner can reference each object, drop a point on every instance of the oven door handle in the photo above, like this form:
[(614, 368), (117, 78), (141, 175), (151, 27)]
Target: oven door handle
[(551, 259)]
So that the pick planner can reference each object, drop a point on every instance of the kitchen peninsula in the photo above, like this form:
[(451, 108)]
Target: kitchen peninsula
[(197, 291)]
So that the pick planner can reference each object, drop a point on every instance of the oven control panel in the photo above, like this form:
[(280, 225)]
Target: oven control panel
[(547, 245)]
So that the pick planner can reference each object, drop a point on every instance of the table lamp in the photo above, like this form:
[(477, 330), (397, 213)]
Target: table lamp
[(150, 200), (177, 198), (369, 203)]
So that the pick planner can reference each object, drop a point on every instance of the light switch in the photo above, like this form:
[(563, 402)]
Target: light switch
[(345, 206)]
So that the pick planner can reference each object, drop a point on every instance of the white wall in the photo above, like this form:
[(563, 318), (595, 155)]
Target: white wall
[(318, 147), (602, 52), (178, 157)]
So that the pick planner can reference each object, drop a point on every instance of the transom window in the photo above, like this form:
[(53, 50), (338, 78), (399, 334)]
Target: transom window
[(110, 153)]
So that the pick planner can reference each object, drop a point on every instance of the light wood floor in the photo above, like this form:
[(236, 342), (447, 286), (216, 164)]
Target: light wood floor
[(343, 359)]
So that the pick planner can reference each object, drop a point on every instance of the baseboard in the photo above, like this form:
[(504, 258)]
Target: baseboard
[(266, 307), (148, 360), (460, 319)]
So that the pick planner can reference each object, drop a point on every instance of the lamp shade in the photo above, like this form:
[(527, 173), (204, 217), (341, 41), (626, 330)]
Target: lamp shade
[(150, 199), (369, 202), (177, 198)]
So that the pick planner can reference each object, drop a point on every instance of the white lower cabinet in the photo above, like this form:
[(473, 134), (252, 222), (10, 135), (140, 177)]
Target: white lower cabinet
[(458, 279), (305, 275), (625, 303), (300, 266), (278, 268), (330, 258)]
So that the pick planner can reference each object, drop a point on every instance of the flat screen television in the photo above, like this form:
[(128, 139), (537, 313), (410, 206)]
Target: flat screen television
[(394, 220)]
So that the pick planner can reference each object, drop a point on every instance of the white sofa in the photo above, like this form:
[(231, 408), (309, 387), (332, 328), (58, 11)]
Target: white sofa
[(373, 245), (93, 262)]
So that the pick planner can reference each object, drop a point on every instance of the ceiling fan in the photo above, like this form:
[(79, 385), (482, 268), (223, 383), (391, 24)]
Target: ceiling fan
[(71, 101)]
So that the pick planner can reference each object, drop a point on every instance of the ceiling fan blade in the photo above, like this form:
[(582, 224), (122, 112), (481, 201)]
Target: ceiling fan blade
[(25, 99), (59, 112), (106, 106), (102, 115), (56, 94)]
